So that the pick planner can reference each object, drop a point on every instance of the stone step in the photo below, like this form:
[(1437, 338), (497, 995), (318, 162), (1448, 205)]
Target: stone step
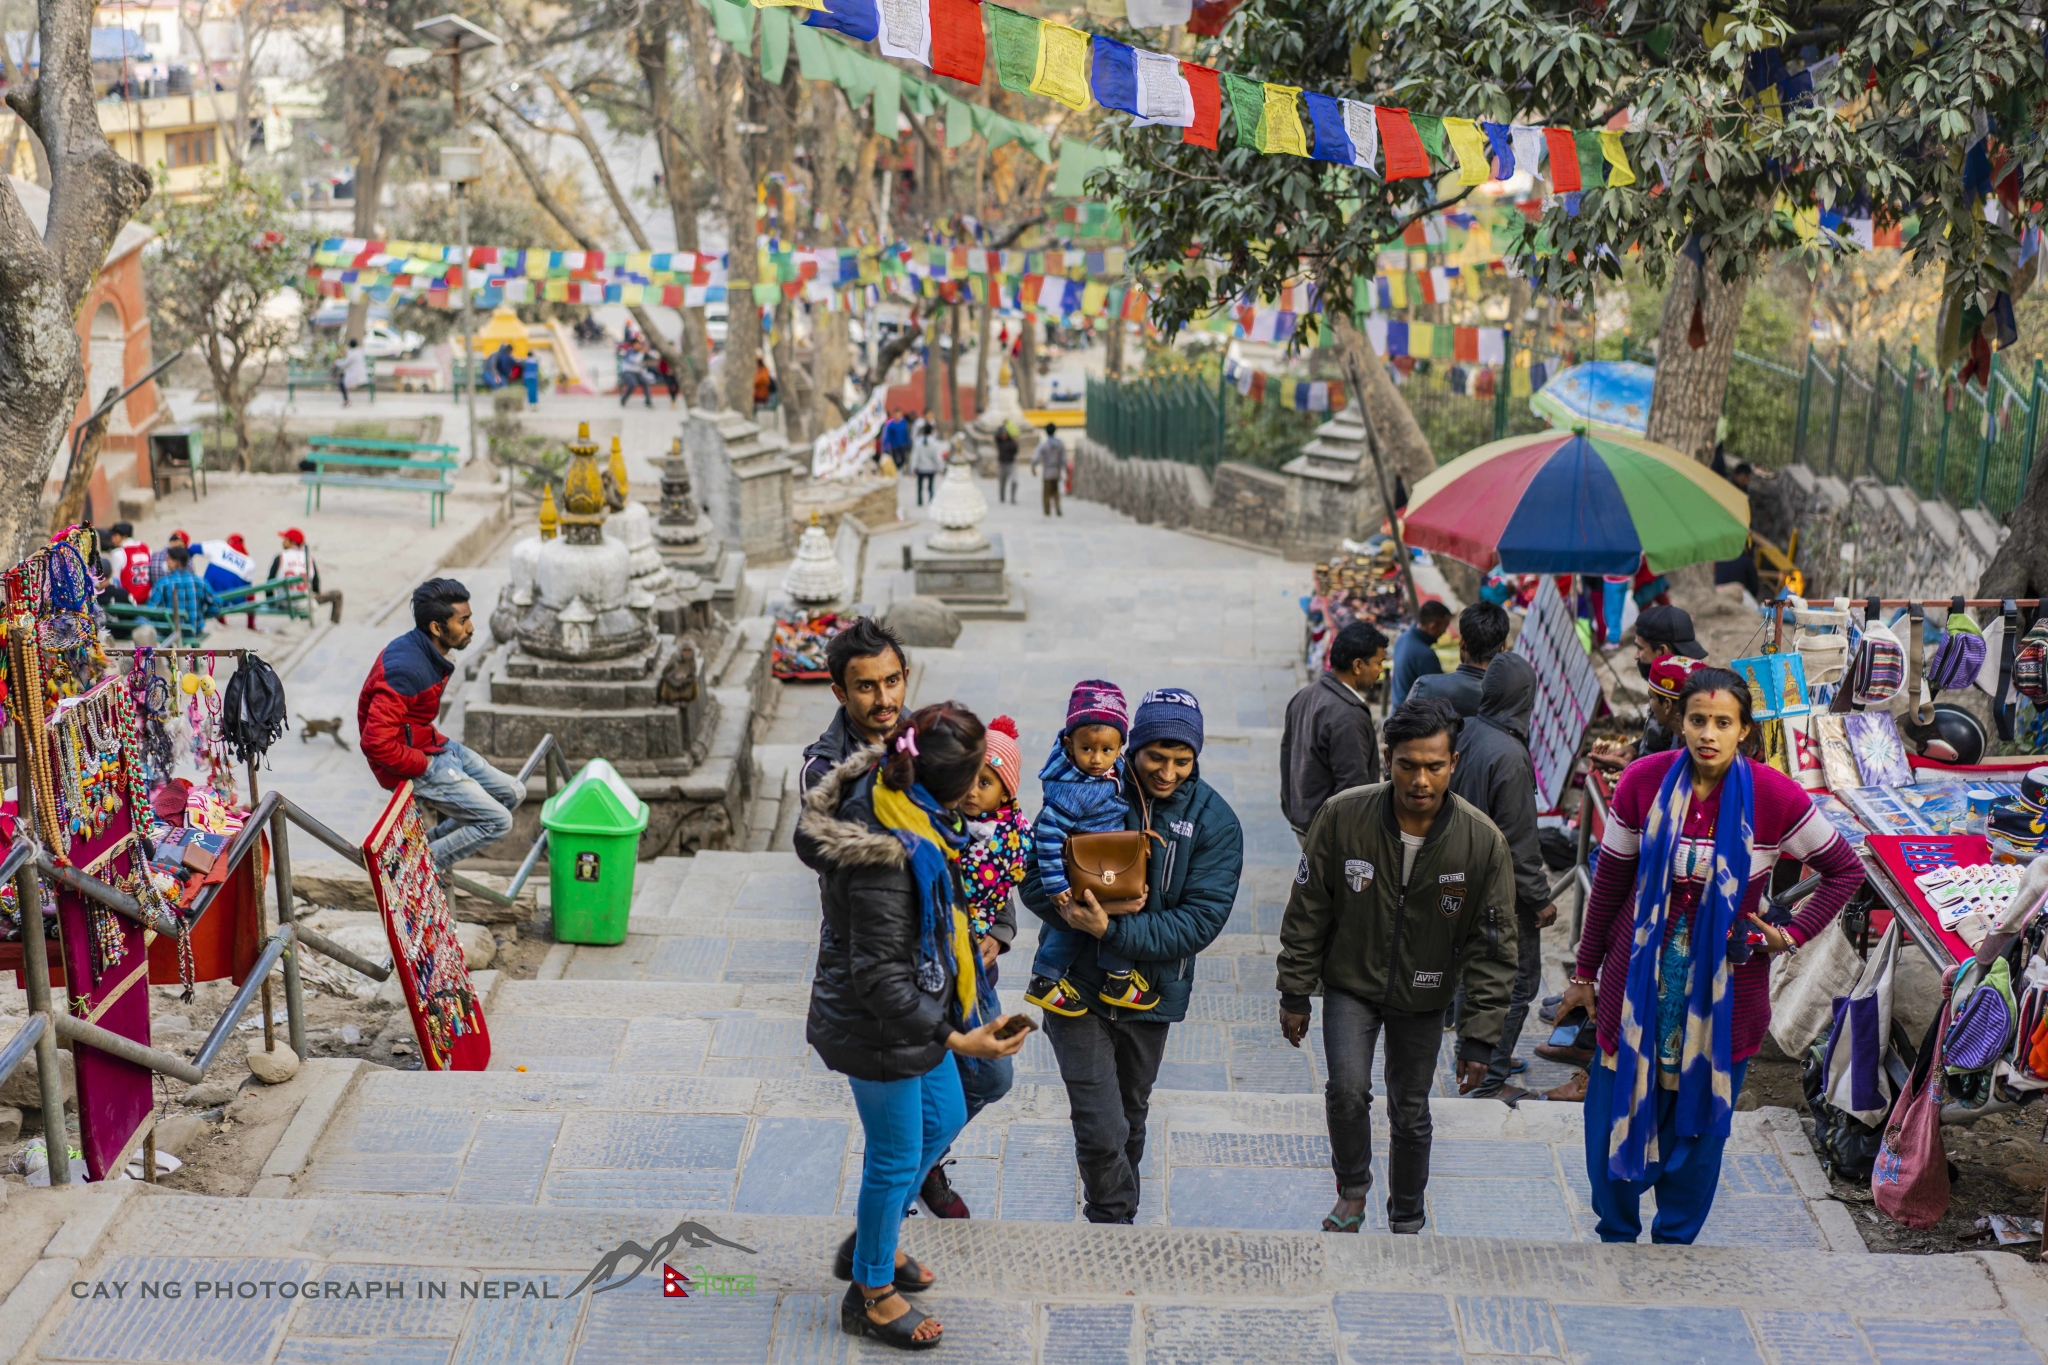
[(1011, 1294)]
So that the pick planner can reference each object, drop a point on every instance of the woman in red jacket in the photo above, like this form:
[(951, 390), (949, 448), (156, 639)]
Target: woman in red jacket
[(1674, 962)]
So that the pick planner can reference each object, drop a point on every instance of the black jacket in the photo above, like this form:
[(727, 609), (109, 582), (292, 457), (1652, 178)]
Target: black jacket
[(1496, 774), (826, 752), (1460, 688), (1328, 746), (868, 1018), (1192, 881)]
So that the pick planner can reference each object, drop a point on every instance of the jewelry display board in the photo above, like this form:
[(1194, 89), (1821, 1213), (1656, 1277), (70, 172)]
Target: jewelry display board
[(1566, 689), (447, 1017)]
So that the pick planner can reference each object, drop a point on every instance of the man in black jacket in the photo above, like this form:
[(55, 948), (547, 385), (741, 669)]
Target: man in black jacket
[(1328, 745), (1496, 774), (1482, 633)]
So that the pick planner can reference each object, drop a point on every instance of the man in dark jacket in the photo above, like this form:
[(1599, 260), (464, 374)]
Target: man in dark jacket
[(1495, 774), (1403, 890), (1328, 745), (1415, 652), (395, 715), (869, 676), (1482, 633), (1109, 1057)]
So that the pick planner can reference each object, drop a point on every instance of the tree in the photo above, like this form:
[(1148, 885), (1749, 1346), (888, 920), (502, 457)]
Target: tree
[(47, 267), (220, 262), (250, 27)]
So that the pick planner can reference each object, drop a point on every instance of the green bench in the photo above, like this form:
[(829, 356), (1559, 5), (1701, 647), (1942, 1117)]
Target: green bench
[(383, 464), (299, 375), (288, 597)]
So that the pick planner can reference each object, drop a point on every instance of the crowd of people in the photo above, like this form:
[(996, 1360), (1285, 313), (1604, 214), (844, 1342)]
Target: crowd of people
[(189, 578), (1418, 907)]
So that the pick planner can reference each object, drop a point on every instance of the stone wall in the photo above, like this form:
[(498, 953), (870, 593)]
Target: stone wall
[(742, 474), (1303, 518), (1906, 546)]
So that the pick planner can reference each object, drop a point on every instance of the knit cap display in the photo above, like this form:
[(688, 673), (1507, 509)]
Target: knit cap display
[(1004, 755), (1097, 702), (1171, 714)]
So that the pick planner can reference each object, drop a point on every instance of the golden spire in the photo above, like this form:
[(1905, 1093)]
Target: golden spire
[(618, 470), (583, 500), (548, 518)]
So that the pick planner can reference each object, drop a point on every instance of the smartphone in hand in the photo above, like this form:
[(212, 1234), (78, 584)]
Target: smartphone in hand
[(1566, 1034), (1014, 1025)]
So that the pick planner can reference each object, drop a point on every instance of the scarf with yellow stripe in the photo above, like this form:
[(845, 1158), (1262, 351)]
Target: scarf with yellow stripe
[(935, 837)]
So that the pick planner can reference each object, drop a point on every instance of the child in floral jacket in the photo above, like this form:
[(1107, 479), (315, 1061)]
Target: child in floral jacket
[(994, 862)]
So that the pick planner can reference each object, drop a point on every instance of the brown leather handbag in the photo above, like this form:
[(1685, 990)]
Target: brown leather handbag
[(1116, 866)]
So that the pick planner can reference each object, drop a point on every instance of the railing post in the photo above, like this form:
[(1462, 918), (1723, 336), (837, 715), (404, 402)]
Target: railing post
[(1500, 384), (2033, 431), (1871, 414), (1948, 413), (1805, 403), (1990, 432), (281, 873), (1222, 417), (35, 965), (1906, 411), (1835, 403)]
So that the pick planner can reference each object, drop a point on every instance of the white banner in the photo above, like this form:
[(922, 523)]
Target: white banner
[(840, 452)]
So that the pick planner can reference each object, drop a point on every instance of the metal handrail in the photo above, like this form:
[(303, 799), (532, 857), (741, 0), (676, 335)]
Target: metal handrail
[(18, 1046), (547, 751)]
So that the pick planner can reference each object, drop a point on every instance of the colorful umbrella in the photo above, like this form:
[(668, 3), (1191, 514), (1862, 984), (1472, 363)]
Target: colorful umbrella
[(1577, 502), (1599, 393)]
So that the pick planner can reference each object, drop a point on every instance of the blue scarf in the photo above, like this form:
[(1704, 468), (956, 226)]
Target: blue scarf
[(935, 837), (1705, 1085)]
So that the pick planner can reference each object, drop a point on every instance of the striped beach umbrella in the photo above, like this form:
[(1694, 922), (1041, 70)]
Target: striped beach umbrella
[(1584, 501)]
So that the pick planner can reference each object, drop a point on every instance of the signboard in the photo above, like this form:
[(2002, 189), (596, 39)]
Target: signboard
[(447, 1017)]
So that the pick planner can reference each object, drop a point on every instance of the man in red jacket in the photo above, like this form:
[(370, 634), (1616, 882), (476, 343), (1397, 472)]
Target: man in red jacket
[(395, 717)]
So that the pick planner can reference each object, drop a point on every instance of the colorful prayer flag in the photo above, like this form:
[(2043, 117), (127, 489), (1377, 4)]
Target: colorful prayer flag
[(1282, 122), (1062, 70), (1610, 147), (1470, 145), (1204, 88), (1564, 160), (857, 19), (1405, 158)]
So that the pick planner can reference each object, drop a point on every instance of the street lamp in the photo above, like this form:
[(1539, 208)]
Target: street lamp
[(461, 166)]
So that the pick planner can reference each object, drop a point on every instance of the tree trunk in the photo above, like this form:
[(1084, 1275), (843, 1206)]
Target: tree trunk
[(1026, 366), (719, 106), (953, 422), (1692, 383), (984, 341), (372, 155), (828, 368), (70, 510), (931, 367), (2020, 568), (650, 49), (1407, 450), (1113, 348), (93, 192)]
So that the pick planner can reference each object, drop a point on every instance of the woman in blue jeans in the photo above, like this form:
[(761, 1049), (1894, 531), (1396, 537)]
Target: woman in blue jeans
[(899, 990)]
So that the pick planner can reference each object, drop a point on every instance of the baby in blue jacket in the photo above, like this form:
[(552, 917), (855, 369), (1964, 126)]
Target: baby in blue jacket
[(1083, 794)]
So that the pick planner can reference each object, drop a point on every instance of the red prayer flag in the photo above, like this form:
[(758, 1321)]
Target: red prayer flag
[(1465, 343), (1207, 90), (1564, 160), (1414, 235), (957, 42), (1336, 395), (1208, 17), (1258, 393), (1402, 145)]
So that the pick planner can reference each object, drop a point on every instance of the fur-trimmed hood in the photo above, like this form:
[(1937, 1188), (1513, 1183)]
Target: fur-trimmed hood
[(851, 839)]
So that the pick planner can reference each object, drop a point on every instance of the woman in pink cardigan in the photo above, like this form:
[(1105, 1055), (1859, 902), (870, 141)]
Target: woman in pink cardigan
[(1674, 961)]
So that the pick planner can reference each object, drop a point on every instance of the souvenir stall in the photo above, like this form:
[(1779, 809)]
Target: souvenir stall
[(92, 753), (797, 651), (1359, 583)]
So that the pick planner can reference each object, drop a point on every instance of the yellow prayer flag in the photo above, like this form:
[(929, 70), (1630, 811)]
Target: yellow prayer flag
[(631, 294), (818, 5), (1620, 172), (1062, 71), (1421, 338), (1093, 297), (1470, 276), (1518, 380), (1397, 290), (1470, 145), (1806, 223), (640, 262), (1283, 121)]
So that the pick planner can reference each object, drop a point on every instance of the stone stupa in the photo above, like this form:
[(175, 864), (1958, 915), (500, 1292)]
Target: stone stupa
[(815, 579)]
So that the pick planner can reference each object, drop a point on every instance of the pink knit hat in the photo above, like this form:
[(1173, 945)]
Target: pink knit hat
[(1004, 755)]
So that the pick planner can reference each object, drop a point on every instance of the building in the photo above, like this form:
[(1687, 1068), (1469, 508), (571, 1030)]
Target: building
[(178, 137), (113, 338)]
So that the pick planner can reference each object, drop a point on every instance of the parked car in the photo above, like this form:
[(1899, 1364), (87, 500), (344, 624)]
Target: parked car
[(385, 342)]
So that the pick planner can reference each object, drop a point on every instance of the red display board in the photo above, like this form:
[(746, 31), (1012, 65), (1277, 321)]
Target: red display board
[(447, 1017), (1906, 856)]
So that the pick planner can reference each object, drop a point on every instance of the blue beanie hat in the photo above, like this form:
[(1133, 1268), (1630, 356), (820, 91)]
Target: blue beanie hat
[(1168, 713)]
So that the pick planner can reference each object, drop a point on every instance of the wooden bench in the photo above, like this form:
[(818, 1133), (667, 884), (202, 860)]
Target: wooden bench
[(385, 464), (297, 374)]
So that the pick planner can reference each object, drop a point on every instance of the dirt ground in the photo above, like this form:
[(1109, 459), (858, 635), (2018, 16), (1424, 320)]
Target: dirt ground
[(224, 1129)]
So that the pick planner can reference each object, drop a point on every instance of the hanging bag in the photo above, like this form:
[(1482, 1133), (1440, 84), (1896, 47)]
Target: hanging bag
[(1880, 667), (2030, 664), (1805, 985), (1856, 1079), (1981, 1019), (1909, 1182), (1959, 657), (252, 713)]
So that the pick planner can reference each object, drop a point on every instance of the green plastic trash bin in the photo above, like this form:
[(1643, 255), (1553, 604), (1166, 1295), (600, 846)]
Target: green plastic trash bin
[(593, 827)]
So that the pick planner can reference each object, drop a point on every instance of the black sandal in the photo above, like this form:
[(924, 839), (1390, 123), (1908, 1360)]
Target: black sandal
[(908, 1275), (900, 1332)]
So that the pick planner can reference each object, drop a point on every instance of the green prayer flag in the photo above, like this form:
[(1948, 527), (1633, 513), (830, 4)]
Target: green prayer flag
[(774, 43), (813, 62), (1592, 161), (1016, 47), (1248, 107), (888, 98), (735, 25), (959, 122), (1431, 129), (1078, 161)]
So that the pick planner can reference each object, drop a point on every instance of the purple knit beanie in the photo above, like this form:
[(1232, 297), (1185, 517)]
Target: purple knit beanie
[(1096, 702)]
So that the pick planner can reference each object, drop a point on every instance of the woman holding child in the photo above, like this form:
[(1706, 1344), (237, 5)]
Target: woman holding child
[(902, 988), (1111, 986)]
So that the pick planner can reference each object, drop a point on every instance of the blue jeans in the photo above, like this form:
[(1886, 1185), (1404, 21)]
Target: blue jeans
[(1057, 949), (474, 799), (1685, 1192), (909, 1124)]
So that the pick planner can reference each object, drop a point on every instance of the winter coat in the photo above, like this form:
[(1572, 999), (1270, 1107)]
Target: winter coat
[(1193, 884), (1496, 774), (927, 456), (396, 710), (1075, 803), (1353, 924), (992, 867), (1414, 657), (1460, 688), (868, 1019), (830, 749), (1328, 746)]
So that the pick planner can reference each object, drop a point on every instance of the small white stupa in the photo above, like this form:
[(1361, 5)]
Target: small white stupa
[(814, 577), (959, 510)]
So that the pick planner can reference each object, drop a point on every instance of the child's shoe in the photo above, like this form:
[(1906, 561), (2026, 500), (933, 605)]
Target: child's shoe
[(1128, 991), (1056, 997)]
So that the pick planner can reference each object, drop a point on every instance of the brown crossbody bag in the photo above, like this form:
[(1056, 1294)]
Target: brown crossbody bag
[(1116, 866)]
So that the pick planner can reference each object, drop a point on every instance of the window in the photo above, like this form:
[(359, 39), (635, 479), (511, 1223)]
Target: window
[(189, 149)]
